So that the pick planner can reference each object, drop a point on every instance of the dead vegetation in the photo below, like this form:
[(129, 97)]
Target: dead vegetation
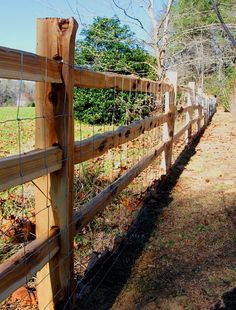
[(180, 253)]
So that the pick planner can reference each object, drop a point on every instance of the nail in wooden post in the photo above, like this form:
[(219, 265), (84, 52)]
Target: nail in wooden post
[(168, 127), (54, 126)]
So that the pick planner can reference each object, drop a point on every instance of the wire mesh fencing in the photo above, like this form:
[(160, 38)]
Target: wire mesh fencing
[(108, 229), (74, 176)]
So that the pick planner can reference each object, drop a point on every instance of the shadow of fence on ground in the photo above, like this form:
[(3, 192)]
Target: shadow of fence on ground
[(103, 283)]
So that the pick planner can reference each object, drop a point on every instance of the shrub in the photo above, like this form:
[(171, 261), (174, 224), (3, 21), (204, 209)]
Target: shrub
[(99, 106)]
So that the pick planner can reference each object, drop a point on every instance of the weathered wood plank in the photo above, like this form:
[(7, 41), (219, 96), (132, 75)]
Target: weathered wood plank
[(101, 143), (19, 268), (98, 203), (188, 108), (17, 64), (200, 117), (55, 125), (168, 128), (90, 79), (21, 65), (18, 169), (189, 114), (179, 134), (182, 88)]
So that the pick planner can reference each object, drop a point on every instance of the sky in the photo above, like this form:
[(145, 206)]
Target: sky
[(18, 17)]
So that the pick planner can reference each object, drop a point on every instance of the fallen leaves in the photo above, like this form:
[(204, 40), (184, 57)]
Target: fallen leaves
[(129, 204), (25, 296)]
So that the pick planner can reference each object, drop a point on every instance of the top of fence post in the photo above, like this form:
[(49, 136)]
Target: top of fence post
[(192, 98), (168, 128), (199, 93), (171, 78)]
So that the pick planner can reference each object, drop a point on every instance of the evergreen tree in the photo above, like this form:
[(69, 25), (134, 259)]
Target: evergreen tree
[(107, 45)]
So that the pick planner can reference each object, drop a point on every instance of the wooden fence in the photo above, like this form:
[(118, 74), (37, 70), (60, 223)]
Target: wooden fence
[(50, 255)]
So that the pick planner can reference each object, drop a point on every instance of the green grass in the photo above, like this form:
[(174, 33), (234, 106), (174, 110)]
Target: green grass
[(18, 135), (10, 113)]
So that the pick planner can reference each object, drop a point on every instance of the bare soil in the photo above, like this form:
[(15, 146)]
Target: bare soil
[(181, 251)]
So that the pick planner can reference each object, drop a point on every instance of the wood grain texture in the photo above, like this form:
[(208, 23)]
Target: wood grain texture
[(21, 65), (90, 79), (189, 115), (101, 143), (168, 128), (189, 108), (19, 268), (18, 169), (55, 125), (200, 117)]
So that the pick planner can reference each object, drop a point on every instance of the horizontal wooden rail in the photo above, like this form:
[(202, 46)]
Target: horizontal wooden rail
[(20, 267), (181, 88), (20, 65), (195, 120), (101, 143), (185, 128), (189, 108), (18, 169), (90, 79), (98, 203), (181, 132)]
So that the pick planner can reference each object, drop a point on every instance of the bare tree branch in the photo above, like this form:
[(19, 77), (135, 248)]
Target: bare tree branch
[(224, 26), (167, 13), (160, 47), (126, 14), (151, 11)]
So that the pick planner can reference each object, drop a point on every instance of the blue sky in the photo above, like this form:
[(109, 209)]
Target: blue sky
[(18, 17)]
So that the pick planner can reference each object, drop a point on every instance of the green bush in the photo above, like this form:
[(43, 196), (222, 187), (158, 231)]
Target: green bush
[(222, 86), (108, 45), (107, 106)]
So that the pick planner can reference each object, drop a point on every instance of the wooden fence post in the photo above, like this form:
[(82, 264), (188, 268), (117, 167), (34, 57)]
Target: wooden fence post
[(168, 127), (189, 115), (200, 108), (54, 126), (206, 109), (203, 102)]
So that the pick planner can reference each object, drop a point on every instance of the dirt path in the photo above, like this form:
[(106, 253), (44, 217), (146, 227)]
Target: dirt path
[(182, 252)]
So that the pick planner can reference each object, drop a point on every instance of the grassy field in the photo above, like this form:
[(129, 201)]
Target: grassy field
[(18, 136)]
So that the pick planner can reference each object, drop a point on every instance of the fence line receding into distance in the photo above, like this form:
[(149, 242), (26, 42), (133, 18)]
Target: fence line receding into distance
[(50, 164)]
